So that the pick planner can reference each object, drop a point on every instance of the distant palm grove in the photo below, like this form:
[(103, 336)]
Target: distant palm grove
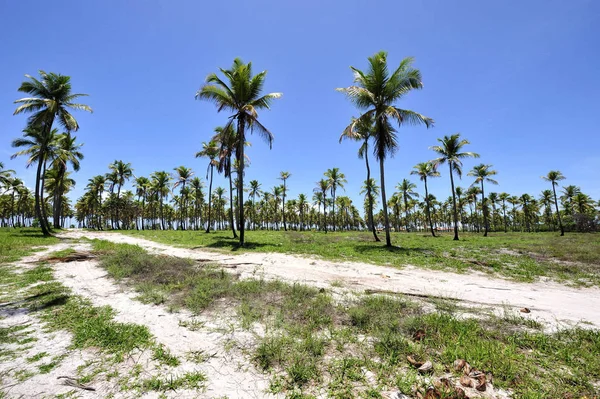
[(186, 199)]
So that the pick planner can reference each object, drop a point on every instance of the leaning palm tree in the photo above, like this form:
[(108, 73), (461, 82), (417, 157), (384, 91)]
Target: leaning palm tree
[(39, 148), (375, 92), (554, 176), (241, 94), (482, 173), (363, 130), (51, 98), (67, 152), (406, 188), (284, 176), (425, 170), (335, 180), (211, 151), (450, 152)]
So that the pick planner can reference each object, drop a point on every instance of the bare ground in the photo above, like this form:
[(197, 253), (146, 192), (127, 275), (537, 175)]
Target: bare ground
[(550, 302)]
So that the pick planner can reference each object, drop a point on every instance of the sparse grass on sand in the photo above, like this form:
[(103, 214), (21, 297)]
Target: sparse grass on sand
[(16, 243), (310, 340), (574, 258)]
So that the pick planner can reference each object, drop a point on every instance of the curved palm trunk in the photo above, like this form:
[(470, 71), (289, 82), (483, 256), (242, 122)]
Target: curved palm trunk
[(454, 204), (370, 199), (484, 211), (386, 218), (209, 198), (231, 207), (427, 208), (562, 230), (240, 157)]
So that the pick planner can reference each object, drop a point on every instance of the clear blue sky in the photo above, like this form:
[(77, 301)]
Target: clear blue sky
[(519, 79)]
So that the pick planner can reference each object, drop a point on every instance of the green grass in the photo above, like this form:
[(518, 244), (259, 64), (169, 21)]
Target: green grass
[(520, 256), (16, 243), (310, 340)]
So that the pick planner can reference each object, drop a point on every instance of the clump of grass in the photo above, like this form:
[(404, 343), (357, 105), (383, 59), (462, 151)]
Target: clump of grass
[(191, 380), (17, 243)]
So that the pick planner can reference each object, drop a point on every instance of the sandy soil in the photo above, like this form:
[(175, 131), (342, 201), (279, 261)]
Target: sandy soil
[(549, 302)]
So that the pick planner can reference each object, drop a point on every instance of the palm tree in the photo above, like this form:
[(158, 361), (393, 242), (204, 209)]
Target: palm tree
[(322, 187), (302, 205), (569, 193), (184, 175), (363, 130), (5, 175), (51, 98), (40, 147), (370, 188), (482, 173), (425, 170), (57, 181), (254, 191), (554, 176), (284, 176), (406, 189), (141, 190), (160, 184), (450, 152), (13, 184), (67, 151), (375, 92), (209, 150), (335, 180), (504, 197), (242, 95), (123, 172), (198, 196), (96, 186)]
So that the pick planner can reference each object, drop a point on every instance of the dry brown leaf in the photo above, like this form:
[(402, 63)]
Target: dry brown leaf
[(432, 393), (525, 310), (413, 362), (426, 367), (466, 381), (459, 364)]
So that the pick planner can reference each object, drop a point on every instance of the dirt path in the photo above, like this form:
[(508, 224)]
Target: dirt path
[(549, 302)]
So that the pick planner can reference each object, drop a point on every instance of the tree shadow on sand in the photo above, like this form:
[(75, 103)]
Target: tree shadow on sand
[(234, 245), (379, 249)]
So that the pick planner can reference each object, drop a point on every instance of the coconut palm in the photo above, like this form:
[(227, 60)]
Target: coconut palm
[(375, 92), (284, 176), (160, 182), (141, 184), (554, 176), (67, 152), (5, 175), (362, 131), (370, 189), (322, 188), (254, 192), (503, 197), (120, 173), (482, 173), (450, 152), (406, 190), (425, 170), (335, 180), (198, 198), (302, 205), (14, 185), (241, 94), (40, 147), (183, 176), (51, 99), (209, 150), (57, 181)]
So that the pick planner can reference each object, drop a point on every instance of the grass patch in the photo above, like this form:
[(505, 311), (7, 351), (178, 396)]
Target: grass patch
[(520, 256), (17, 243)]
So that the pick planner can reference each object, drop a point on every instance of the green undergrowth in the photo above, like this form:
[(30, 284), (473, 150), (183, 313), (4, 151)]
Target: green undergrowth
[(308, 340), (17, 243), (573, 258)]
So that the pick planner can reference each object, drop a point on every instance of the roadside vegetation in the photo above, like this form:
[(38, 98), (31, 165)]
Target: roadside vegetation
[(315, 341)]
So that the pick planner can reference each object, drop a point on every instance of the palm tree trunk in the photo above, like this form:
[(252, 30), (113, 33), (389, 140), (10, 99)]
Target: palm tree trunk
[(231, 206), (427, 208), (209, 198), (386, 218), (407, 213), (240, 156), (504, 214), (484, 211), (43, 208), (562, 230), (370, 199), (454, 204), (283, 208)]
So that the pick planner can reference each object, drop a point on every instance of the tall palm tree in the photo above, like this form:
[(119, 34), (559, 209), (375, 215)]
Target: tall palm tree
[(425, 170), (406, 188), (96, 186), (554, 176), (184, 175), (450, 152), (322, 188), (40, 146), (50, 98), (375, 92), (67, 152), (57, 181), (302, 205), (370, 188), (161, 182), (13, 184), (123, 172), (482, 173), (142, 185), (242, 95), (503, 197), (335, 180), (5, 175), (254, 191), (198, 196), (284, 176), (209, 150), (363, 130)]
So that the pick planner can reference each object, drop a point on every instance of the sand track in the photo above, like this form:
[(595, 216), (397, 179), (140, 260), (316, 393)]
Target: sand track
[(550, 302)]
